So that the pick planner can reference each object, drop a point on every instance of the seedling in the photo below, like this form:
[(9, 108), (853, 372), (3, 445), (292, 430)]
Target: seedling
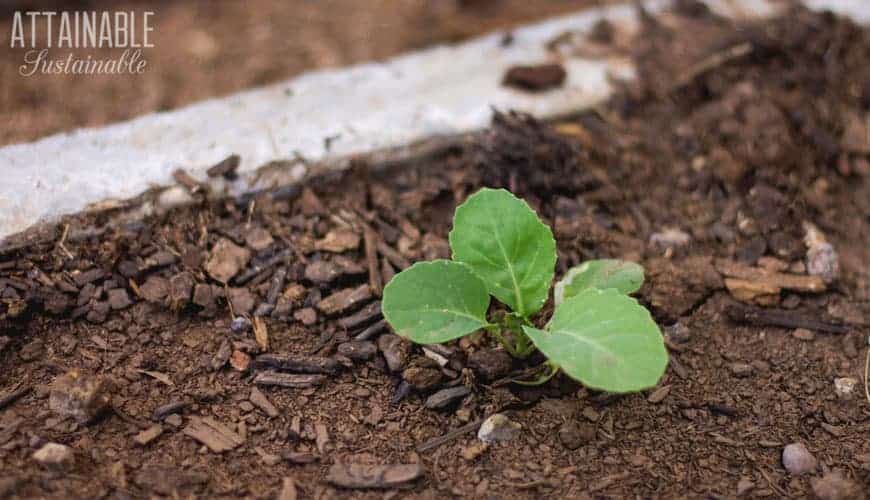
[(597, 335)]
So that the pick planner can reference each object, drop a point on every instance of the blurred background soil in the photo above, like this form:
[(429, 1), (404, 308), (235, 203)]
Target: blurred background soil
[(205, 49)]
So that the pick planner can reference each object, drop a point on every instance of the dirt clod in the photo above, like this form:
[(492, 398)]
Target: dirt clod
[(80, 396), (797, 459)]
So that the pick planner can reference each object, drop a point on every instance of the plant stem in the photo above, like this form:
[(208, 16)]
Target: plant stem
[(495, 331), (544, 377)]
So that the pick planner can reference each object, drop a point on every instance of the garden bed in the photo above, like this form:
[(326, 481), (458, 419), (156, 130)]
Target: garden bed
[(707, 171)]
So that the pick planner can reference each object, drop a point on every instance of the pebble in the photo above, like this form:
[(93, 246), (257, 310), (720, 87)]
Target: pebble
[(797, 459), (226, 260), (474, 450), (741, 370), (307, 316), (669, 238), (80, 396), (241, 325), (447, 397), (822, 261), (804, 334), (240, 361), (498, 428), (491, 364), (174, 420), (833, 486), (573, 434), (678, 333), (422, 378), (54, 455), (396, 351), (845, 387)]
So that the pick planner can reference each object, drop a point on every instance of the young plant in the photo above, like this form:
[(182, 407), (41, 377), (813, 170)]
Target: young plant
[(597, 335)]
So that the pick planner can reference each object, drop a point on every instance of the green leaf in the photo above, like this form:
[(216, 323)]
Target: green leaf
[(507, 245), (437, 301), (605, 340), (624, 276)]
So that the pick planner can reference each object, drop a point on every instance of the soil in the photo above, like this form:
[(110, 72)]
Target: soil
[(704, 170), (207, 48)]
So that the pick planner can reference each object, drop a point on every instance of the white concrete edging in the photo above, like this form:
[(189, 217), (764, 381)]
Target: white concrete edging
[(365, 108)]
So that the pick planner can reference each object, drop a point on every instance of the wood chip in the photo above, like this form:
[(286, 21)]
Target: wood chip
[(375, 280), (148, 435), (373, 476), (261, 333), (659, 394), (321, 437), (796, 282), (338, 241), (215, 435), (345, 299), (299, 364), (258, 399), (268, 378), (162, 377), (288, 489)]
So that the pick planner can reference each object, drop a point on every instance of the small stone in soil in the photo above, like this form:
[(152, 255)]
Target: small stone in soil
[(226, 260), (797, 459), (258, 399), (396, 351), (670, 238), (535, 78), (338, 241), (80, 396), (358, 350), (174, 420), (148, 435), (155, 289), (373, 476), (307, 316), (447, 397), (241, 324), (845, 386), (741, 370), (119, 299), (498, 428), (490, 364), (54, 456), (474, 450), (258, 238), (803, 334), (573, 434), (678, 333)]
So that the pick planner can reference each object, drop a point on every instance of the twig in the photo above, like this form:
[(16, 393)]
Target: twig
[(13, 396), (449, 436), (60, 243), (712, 62), (776, 317), (867, 372)]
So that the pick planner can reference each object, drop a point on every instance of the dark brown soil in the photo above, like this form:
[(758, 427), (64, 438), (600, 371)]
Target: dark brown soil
[(209, 48), (736, 148)]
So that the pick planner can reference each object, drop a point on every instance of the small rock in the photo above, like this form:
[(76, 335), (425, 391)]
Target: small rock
[(358, 350), (323, 271), (148, 435), (573, 434), (119, 299), (241, 325), (155, 289), (54, 456), (678, 333), (307, 316), (422, 378), (741, 370), (80, 396), (240, 361), (804, 334), (535, 78), (822, 260), (396, 351), (491, 364), (845, 386), (447, 397), (226, 260), (659, 394), (797, 459), (498, 428), (338, 241), (670, 238), (833, 486)]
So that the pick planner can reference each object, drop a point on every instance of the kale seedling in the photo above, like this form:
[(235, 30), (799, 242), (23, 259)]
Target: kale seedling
[(597, 335)]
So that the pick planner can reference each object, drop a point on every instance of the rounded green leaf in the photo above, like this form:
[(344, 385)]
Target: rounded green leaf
[(626, 277), (504, 242), (437, 301), (605, 340)]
